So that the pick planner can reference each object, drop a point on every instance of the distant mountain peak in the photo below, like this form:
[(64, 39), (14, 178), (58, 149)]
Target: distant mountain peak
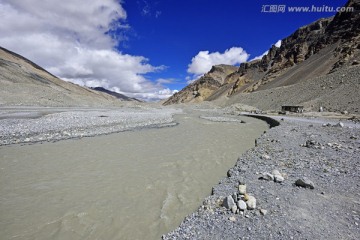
[(115, 94)]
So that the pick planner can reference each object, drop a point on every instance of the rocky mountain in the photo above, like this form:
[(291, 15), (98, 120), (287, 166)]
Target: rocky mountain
[(318, 49), (115, 94), (204, 87), (22, 82)]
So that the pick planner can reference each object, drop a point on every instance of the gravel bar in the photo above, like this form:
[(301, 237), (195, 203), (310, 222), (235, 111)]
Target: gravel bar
[(303, 155), (82, 123)]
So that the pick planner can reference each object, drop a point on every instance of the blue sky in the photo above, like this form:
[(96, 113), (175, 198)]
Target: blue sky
[(146, 48)]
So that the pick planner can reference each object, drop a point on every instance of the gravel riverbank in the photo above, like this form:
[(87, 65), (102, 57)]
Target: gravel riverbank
[(53, 124), (327, 156)]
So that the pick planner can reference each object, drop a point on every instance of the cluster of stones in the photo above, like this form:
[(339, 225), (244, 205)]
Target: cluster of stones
[(239, 202), (339, 124), (313, 144), (275, 176)]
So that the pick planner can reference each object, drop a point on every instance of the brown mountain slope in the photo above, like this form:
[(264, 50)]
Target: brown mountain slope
[(22, 82), (202, 88), (335, 92), (315, 50)]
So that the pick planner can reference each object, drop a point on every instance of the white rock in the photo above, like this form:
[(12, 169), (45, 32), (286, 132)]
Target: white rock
[(275, 172), (265, 156), (340, 124), (233, 209), (278, 178), (267, 176), (242, 205), (232, 218), (251, 203), (242, 189), (263, 211)]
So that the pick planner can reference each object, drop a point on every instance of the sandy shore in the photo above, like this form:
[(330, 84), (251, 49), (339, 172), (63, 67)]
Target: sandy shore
[(297, 148)]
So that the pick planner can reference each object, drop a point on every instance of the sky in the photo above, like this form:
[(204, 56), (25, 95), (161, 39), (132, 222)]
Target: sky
[(148, 49)]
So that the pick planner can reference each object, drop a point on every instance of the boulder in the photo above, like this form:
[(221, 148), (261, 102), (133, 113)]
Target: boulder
[(305, 183)]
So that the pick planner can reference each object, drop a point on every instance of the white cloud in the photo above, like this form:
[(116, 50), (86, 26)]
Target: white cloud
[(166, 81), (204, 60), (69, 39), (160, 94)]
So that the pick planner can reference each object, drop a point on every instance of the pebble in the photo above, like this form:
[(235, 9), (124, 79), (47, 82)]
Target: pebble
[(267, 176), (233, 209), (232, 218), (275, 172), (242, 189), (242, 205), (305, 183), (339, 124), (265, 156), (278, 178), (263, 211), (251, 203), (229, 202)]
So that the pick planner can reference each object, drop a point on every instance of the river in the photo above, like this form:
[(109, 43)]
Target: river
[(129, 185)]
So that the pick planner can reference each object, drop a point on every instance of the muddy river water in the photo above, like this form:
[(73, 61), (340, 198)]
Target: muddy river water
[(129, 185)]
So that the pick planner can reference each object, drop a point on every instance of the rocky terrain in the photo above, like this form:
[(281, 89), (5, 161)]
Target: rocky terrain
[(24, 83), (299, 182), (54, 124), (316, 50), (335, 92), (204, 87)]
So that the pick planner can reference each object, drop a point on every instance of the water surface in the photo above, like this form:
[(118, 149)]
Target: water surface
[(129, 185)]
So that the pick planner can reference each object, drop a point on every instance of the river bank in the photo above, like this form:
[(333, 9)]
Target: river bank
[(326, 154)]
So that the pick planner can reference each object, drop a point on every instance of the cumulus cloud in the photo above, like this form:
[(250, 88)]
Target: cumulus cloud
[(204, 60), (157, 95), (72, 39)]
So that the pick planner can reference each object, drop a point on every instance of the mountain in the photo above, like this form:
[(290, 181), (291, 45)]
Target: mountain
[(115, 94), (22, 82), (204, 87), (317, 50)]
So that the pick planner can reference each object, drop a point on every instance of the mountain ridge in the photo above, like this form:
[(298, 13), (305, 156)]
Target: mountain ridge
[(115, 94), (23, 82)]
